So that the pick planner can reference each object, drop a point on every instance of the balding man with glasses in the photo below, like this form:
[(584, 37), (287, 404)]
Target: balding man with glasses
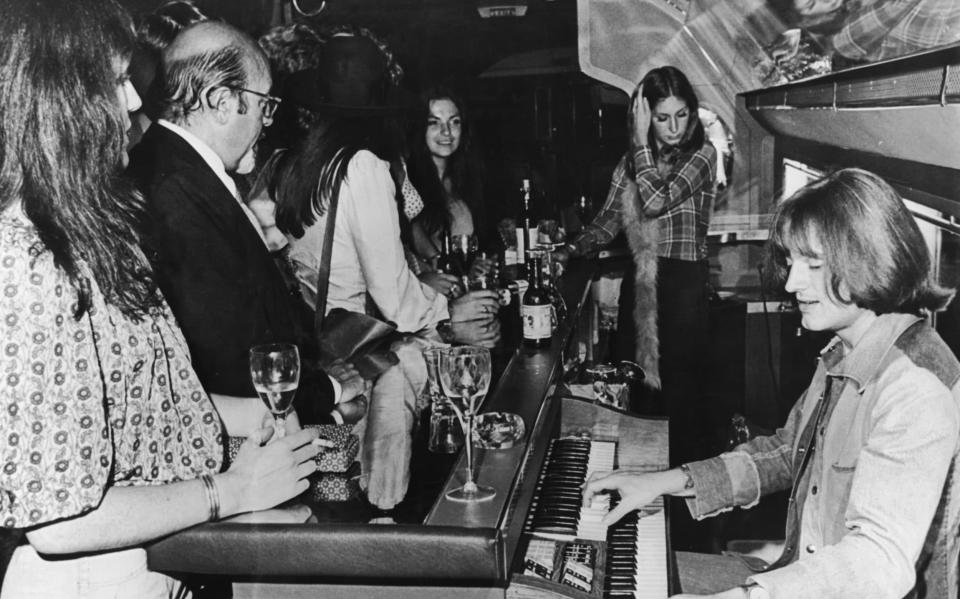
[(206, 246)]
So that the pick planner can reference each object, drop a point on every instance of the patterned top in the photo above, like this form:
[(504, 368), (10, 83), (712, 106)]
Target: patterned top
[(884, 29), (681, 200), (91, 403)]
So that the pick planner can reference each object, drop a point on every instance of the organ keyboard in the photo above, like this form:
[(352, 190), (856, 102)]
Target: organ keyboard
[(569, 552)]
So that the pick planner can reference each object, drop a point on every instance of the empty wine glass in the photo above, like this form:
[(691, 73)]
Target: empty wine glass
[(275, 371), (465, 378), (446, 428)]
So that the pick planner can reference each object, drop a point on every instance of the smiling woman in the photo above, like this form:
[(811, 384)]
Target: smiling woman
[(445, 172)]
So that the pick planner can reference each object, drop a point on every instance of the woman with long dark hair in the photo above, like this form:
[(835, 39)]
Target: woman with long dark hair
[(444, 171), (661, 196), (109, 439)]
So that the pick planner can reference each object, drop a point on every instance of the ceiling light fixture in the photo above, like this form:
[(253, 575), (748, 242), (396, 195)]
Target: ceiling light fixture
[(503, 8)]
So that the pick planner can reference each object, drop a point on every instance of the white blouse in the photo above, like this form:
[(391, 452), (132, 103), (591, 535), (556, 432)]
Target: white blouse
[(367, 255)]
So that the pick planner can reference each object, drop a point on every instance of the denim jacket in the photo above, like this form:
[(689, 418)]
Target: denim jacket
[(879, 501)]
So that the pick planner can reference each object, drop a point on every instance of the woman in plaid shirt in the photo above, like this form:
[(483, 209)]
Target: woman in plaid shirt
[(661, 196)]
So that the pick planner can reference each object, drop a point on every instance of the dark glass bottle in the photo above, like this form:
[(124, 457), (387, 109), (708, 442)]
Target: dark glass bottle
[(526, 222), (447, 263), (584, 210), (537, 310)]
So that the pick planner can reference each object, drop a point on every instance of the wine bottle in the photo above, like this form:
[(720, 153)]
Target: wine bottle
[(526, 221), (537, 309), (583, 210), (447, 263)]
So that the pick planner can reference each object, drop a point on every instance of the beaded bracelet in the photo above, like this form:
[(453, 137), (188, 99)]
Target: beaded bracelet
[(213, 496)]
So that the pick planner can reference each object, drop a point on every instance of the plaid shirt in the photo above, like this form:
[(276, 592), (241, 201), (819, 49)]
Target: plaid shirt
[(888, 28), (681, 201)]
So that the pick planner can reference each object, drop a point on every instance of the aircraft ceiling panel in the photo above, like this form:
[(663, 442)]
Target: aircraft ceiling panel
[(909, 132)]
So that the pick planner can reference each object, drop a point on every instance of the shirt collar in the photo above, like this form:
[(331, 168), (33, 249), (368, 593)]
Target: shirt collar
[(861, 363), (206, 152)]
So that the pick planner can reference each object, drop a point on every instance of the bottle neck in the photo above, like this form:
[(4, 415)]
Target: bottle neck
[(445, 245), (535, 273), (525, 199)]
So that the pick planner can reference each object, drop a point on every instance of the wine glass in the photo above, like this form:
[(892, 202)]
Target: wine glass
[(446, 427), (465, 378), (275, 371)]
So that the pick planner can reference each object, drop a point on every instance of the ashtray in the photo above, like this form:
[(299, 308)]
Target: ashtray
[(498, 430)]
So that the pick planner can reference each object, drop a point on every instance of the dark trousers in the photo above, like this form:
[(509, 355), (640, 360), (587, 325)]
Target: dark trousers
[(683, 326)]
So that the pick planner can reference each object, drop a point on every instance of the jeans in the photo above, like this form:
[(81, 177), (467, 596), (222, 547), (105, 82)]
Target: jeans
[(707, 573)]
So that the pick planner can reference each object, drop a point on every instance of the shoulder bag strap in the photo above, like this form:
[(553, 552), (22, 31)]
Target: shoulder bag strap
[(323, 272)]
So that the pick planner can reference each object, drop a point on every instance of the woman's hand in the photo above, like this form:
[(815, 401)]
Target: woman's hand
[(482, 304), (485, 333), (442, 283), (351, 383), (294, 514), (264, 475), (786, 46), (291, 423), (355, 409), (642, 117), (637, 489)]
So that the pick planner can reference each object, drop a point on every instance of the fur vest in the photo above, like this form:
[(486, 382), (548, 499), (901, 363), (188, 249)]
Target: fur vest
[(642, 237)]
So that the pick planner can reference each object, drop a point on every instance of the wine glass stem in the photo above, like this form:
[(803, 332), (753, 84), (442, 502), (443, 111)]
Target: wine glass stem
[(279, 426), (470, 485)]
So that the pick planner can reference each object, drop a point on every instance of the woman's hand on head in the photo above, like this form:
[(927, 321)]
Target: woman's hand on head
[(642, 116), (264, 475)]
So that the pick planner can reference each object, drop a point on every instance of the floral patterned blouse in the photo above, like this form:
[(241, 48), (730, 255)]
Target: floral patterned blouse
[(91, 403)]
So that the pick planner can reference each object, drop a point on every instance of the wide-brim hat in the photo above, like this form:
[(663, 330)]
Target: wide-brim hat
[(353, 78)]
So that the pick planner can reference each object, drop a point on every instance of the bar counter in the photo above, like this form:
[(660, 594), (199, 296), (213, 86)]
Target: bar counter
[(469, 546)]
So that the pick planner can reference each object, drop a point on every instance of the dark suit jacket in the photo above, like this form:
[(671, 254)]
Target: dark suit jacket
[(217, 275)]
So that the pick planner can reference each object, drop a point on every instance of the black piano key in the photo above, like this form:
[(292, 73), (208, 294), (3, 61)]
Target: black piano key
[(559, 496)]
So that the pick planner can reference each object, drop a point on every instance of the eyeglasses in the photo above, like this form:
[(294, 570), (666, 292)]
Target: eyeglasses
[(268, 105)]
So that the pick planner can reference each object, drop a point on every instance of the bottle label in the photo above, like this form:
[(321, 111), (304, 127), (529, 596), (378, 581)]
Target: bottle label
[(537, 322)]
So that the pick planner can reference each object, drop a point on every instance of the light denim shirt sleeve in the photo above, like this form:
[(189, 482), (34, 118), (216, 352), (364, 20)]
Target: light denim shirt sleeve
[(740, 477), (897, 482)]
